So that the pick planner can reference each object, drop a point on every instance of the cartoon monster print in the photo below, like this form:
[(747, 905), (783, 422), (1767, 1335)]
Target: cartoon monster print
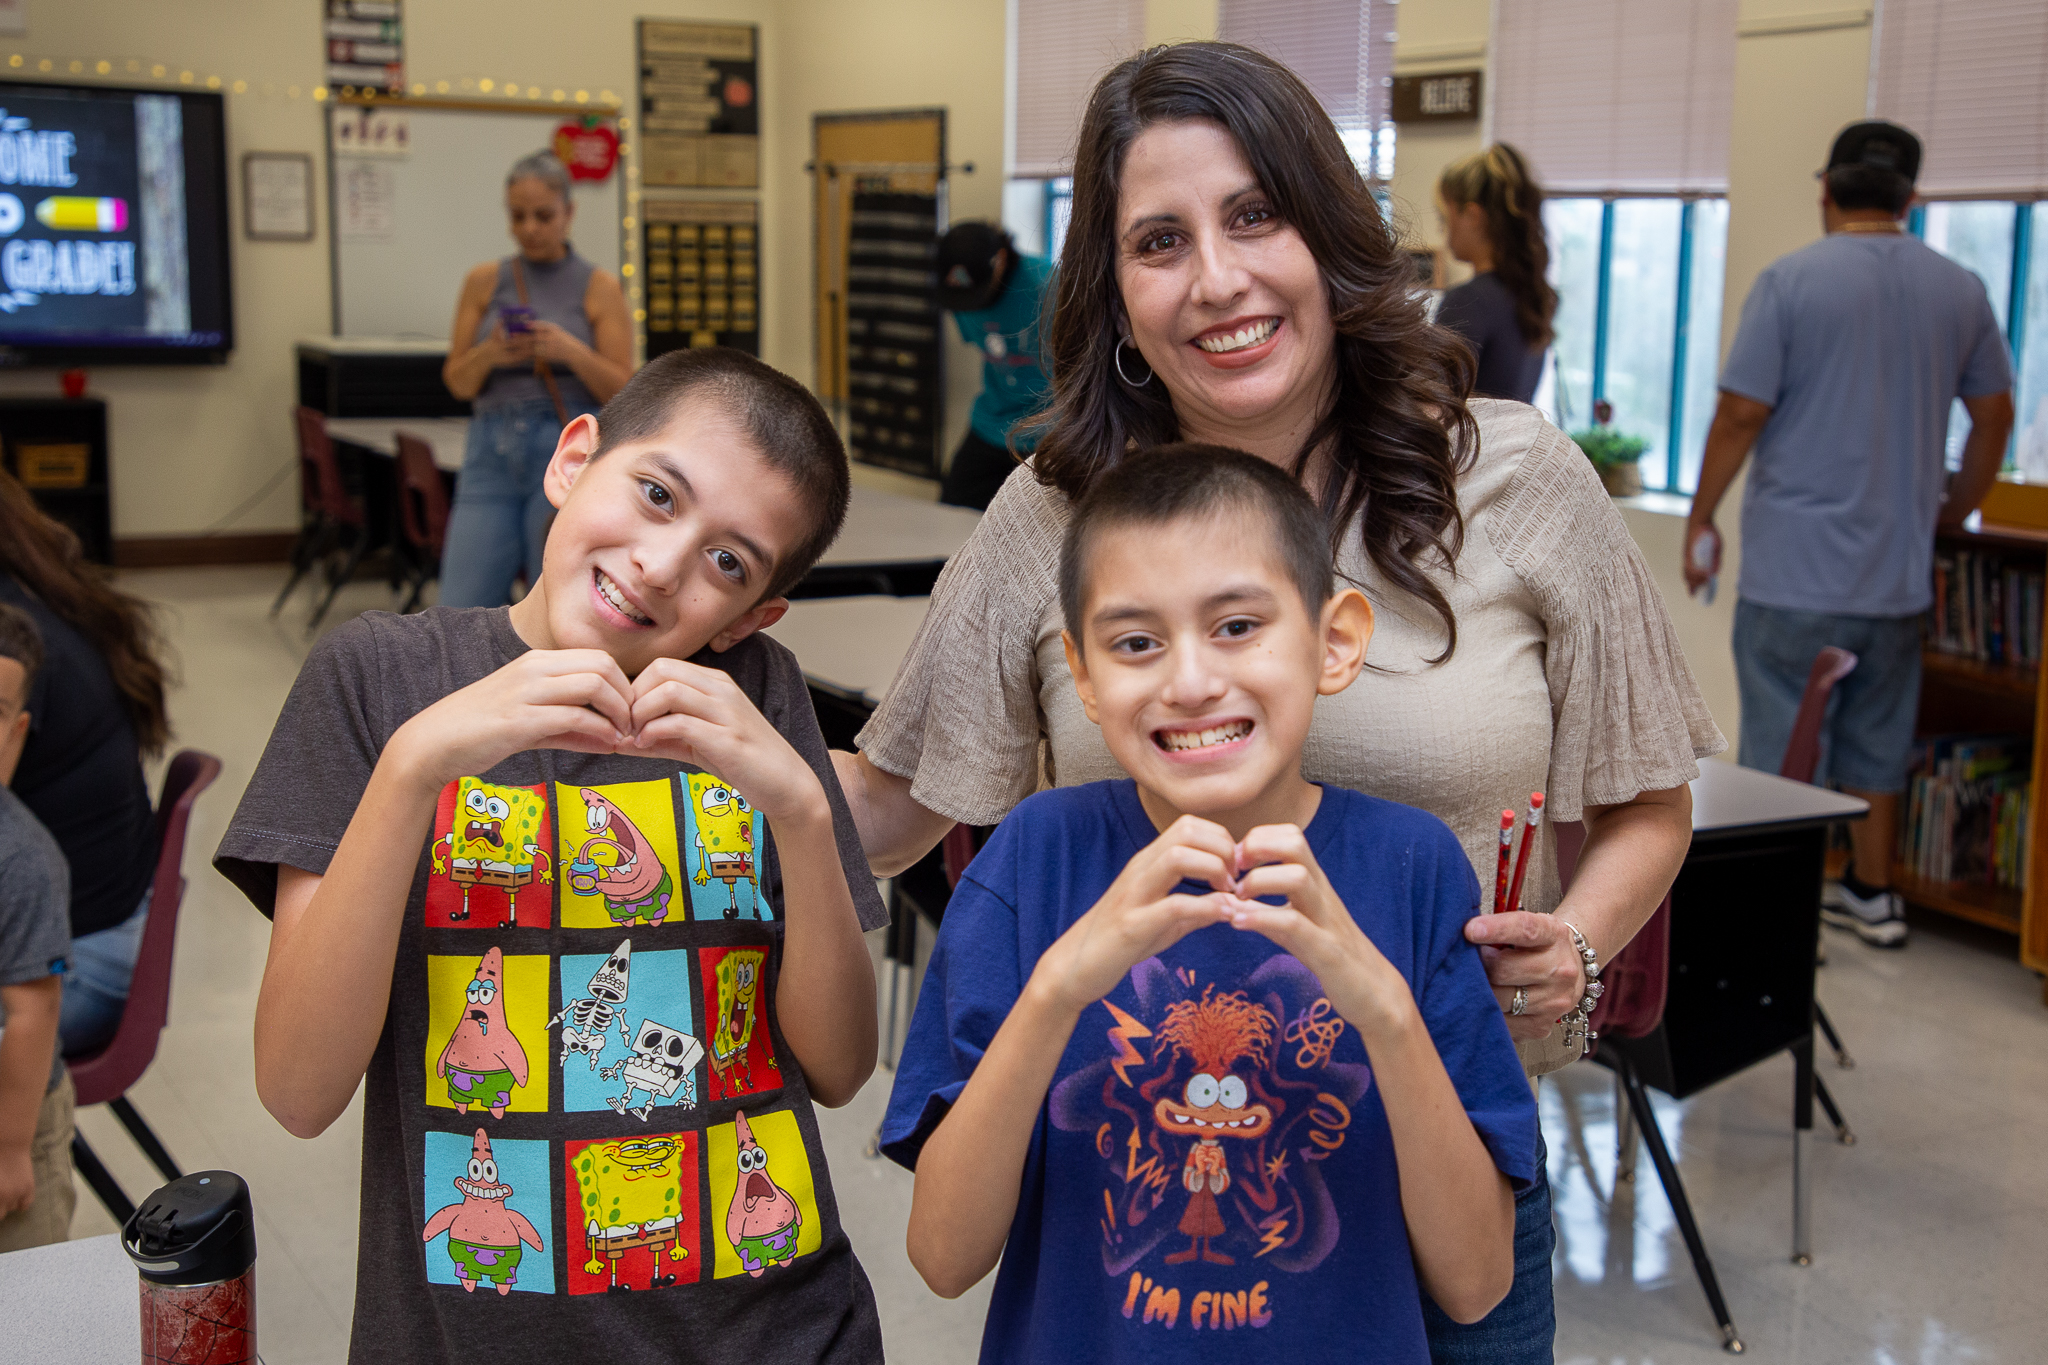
[(662, 1063), (636, 886), (484, 1235), (631, 1202), (762, 1221), (587, 1021), (484, 1060), (1216, 1033), (494, 842), (739, 975), (725, 838)]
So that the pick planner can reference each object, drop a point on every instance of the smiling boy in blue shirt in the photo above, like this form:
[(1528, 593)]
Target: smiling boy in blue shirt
[(1204, 1054)]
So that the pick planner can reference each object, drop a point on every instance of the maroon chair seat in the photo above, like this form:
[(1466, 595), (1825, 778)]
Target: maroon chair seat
[(331, 518), (423, 513), (103, 1077)]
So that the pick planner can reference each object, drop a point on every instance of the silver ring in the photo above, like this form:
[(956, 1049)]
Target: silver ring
[(1521, 1001)]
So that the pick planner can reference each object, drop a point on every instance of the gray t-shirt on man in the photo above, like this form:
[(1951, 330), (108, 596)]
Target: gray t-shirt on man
[(35, 905), (1860, 343), (581, 1089)]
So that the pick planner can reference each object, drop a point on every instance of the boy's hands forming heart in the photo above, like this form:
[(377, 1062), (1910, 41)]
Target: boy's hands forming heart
[(699, 716), (1317, 927), (575, 699)]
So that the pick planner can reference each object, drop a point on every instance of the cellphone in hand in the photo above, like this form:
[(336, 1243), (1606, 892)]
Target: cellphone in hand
[(518, 319)]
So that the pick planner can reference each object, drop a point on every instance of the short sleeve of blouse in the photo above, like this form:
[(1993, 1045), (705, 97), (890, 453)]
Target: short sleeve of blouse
[(961, 719), (1627, 716)]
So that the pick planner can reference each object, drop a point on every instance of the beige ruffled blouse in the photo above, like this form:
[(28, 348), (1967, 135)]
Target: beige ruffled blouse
[(1567, 678)]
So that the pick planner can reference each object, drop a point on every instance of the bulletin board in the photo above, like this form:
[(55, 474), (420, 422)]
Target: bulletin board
[(703, 273), (407, 227)]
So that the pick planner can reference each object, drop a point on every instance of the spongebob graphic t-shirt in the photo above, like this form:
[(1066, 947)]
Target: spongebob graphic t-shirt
[(582, 1131), (1212, 1176)]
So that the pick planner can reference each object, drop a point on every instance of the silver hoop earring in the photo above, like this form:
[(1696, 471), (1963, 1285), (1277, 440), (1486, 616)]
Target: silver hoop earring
[(1118, 356)]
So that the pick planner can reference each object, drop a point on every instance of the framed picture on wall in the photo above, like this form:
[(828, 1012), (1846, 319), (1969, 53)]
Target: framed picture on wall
[(277, 196)]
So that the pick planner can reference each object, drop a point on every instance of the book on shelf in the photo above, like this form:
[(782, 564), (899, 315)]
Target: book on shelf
[(1966, 810), (1987, 606)]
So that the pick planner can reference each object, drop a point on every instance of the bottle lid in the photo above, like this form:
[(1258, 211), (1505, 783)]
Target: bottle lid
[(199, 1229)]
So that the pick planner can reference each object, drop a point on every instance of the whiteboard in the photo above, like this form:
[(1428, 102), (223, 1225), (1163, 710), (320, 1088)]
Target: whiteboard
[(406, 229)]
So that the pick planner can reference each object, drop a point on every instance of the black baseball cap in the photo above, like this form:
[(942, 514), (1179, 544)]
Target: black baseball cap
[(1876, 143), (966, 266)]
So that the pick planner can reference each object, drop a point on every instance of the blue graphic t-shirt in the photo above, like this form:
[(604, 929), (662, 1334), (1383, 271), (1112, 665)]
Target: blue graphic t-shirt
[(1212, 1175), (1012, 385)]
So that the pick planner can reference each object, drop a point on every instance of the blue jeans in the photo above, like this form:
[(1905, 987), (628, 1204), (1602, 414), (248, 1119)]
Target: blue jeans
[(96, 983), (499, 521), (1522, 1328), (1867, 737)]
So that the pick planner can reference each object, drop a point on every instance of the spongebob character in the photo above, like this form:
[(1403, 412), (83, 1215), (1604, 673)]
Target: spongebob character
[(725, 839), (739, 976), (635, 886), (585, 1021), (631, 1192), (663, 1063), (494, 841)]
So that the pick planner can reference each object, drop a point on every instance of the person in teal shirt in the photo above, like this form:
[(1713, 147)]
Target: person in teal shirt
[(994, 293)]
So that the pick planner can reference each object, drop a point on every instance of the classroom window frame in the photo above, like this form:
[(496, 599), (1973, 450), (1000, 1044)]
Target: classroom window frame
[(2021, 249), (1690, 235)]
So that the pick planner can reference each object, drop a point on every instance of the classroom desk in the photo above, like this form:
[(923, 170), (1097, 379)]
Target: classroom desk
[(850, 647), (358, 376), (446, 435), (1745, 930), (891, 544), (72, 1301)]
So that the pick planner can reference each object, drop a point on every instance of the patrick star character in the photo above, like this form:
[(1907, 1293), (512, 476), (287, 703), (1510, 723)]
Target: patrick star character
[(483, 1060), (483, 1235), (635, 886), (763, 1221)]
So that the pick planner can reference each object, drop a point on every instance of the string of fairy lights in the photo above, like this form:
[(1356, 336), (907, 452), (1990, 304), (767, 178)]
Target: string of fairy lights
[(570, 100)]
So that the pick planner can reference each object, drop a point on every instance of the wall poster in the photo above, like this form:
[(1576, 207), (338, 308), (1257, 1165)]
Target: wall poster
[(700, 118), (703, 273), (365, 44)]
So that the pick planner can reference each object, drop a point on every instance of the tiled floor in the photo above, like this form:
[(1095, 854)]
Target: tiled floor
[(1931, 1233)]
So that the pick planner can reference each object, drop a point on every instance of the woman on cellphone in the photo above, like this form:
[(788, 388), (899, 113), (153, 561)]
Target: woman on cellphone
[(1228, 278), (541, 338)]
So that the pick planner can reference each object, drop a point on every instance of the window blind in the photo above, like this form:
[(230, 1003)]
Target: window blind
[(1616, 95), (1971, 78), (1063, 48), (1341, 49)]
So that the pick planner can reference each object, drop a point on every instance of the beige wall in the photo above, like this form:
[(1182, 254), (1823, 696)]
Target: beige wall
[(1435, 35)]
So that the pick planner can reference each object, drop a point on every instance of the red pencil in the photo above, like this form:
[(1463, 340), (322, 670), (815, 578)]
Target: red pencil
[(1500, 871), (1522, 854)]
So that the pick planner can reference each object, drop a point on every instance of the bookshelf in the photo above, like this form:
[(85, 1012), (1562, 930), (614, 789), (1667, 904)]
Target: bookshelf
[(1960, 695)]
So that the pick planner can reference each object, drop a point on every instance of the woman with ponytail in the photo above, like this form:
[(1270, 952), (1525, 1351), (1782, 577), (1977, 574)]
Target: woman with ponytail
[(1493, 221), (96, 706)]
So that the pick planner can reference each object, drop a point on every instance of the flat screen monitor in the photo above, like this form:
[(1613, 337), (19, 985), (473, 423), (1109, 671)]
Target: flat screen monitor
[(113, 226)]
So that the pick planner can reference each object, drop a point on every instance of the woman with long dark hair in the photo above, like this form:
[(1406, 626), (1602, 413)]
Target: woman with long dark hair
[(96, 707), (1228, 278), (1492, 210)]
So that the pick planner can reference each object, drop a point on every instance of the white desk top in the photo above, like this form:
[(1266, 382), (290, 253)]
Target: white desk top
[(446, 435), (413, 345), (889, 528), (851, 644), (1727, 799), (73, 1301)]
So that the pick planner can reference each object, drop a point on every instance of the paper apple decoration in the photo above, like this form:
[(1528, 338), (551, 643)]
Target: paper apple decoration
[(588, 148)]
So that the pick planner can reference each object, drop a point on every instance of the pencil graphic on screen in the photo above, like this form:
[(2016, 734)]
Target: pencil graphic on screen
[(77, 213)]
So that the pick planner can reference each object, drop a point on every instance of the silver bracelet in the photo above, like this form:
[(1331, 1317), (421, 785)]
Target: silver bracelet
[(1578, 1027)]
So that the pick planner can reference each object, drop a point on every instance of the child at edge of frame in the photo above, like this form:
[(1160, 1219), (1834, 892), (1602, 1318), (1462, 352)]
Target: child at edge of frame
[(1202, 1055), (571, 886)]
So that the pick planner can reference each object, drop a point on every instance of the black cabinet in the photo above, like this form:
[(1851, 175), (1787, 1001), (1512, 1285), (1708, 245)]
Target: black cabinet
[(57, 448)]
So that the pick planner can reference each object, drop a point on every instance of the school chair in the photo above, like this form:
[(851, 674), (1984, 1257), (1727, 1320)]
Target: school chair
[(331, 519), (1802, 757), (103, 1077), (423, 514)]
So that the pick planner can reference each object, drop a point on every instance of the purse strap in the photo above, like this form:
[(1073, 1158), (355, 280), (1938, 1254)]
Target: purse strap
[(541, 368)]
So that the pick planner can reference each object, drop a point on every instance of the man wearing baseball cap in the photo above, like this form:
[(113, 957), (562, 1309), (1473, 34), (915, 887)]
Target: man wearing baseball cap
[(994, 292), (1848, 358)]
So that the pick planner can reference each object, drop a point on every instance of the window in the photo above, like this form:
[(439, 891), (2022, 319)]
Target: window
[(2001, 242), (1062, 48), (1638, 323), (1343, 51)]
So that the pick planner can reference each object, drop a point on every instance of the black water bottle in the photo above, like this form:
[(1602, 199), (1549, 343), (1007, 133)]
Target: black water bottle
[(194, 1245)]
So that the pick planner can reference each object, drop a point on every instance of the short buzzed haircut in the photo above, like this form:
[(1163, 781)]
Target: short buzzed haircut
[(1185, 481), (780, 417), (22, 641)]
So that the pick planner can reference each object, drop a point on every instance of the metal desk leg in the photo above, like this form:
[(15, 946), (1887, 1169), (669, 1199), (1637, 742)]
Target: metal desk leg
[(1802, 1138), (1624, 1133), (1681, 1207)]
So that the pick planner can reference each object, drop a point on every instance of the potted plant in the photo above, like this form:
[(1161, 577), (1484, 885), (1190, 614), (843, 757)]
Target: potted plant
[(1614, 454)]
